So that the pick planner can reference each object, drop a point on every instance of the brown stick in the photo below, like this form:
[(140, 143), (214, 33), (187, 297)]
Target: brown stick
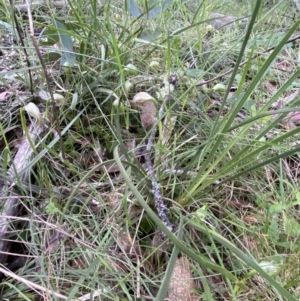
[(55, 115)]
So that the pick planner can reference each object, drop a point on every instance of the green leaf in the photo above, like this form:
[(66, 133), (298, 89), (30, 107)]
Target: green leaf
[(195, 72), (9, 28), (68, 57), (291, 226), (157, 10), (132, 8), (277, 208), (52, 207), (51, 57), (50, 37), (149, 35)]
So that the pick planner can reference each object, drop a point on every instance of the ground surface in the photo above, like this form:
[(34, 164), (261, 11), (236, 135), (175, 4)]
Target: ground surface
[(149, 153)]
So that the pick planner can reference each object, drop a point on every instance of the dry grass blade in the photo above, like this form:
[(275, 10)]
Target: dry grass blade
[(34, 285), (11, 204)]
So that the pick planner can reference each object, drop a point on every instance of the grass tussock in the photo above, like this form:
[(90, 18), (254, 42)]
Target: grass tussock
[(149, 151)]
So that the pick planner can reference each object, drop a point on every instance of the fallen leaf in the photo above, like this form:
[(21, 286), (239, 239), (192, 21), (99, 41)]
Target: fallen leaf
[(2, 95), (182, 284), (145, 103), (56, 239)]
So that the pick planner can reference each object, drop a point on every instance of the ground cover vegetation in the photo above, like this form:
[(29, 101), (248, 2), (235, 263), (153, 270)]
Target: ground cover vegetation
[(149, 150)]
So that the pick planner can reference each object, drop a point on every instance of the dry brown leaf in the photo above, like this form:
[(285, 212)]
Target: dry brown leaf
[(182, 285), (56, 238), (219, 20), (250, 219), (145, 103), (148, 115), (115, 198), (269, 87), (239, 203), (284, 65), (251, 243), (79, 263)]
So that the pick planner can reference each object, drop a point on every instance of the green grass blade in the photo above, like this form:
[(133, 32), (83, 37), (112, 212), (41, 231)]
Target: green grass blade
[(242, 256), (201, 175), (198, 179), (264, 163), (171, 264), (200, 259)]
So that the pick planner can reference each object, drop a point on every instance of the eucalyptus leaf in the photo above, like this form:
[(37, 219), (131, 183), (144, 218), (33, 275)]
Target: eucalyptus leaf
[(132, 8), (68, 58), (157, 10), (9, 28)]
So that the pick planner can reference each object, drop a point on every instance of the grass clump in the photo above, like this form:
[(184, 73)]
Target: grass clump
[(187, 194)]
